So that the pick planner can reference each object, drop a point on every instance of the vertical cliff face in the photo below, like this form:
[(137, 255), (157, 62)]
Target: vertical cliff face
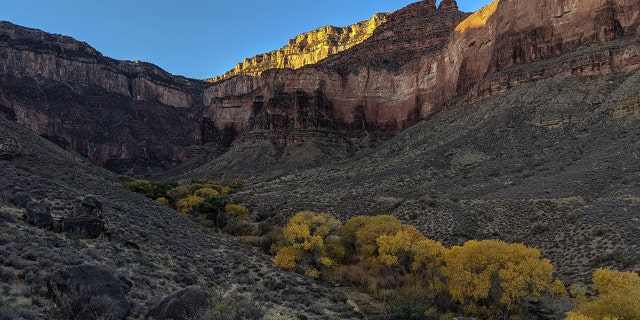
[(119, 114), (486, 48), (308, 48)]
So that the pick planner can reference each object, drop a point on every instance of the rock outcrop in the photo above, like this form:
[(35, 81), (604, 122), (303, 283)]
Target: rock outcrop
[(423, 58), (89, 292), (39, 214), (308, 48), (188, 303)]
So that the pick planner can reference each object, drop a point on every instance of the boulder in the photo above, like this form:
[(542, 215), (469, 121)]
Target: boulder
[(188, 303), (91, 203), (85, 226), (89, 292), (39, 214), (20, 199), (89, 206)]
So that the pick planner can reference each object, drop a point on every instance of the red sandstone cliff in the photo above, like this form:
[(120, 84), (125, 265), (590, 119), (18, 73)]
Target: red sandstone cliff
[(422, 57)]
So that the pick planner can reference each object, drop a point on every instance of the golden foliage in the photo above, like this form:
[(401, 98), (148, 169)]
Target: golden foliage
[(287, 257), (178, 193), (206, 192), (504, 273), (164, 201), (314, 238), (188, 204), (618, 297), (236, 210)]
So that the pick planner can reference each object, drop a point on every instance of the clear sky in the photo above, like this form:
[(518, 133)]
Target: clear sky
[(193, 38)]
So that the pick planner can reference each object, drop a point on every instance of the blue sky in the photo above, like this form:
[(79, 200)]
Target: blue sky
[(194, 38)]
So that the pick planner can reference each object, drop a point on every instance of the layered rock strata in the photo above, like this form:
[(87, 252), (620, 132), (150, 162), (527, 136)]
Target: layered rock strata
[(119, 114)]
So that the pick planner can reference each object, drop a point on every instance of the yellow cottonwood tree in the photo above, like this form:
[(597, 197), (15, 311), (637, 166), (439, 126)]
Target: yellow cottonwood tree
[(495, 273), (618, 297), (189, 204), (309, 243), (206, 192)]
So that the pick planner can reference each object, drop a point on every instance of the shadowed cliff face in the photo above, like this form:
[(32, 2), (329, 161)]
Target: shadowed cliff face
[(119, 114), (422, 60)]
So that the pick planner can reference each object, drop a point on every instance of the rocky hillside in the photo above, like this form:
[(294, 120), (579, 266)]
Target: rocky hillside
[(116, 254), (308, 48), (518, 122)]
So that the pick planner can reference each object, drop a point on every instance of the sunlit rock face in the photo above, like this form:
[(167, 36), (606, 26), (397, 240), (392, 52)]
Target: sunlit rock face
[(308, 48)]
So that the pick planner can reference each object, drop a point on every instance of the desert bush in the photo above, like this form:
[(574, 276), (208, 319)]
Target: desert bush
[(409, 309), (233, 307)]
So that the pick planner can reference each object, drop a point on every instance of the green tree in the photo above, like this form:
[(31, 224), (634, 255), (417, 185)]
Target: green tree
[(214, 209), (238, 220), (178, 193), (143, 187)]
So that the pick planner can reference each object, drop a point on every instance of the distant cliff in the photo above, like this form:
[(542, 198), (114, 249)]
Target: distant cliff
[(308, 48), (118, 114)]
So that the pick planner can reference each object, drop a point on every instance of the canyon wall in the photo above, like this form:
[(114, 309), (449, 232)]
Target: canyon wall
[(307, 48), (423, 57), (119, 114), (422, 60)]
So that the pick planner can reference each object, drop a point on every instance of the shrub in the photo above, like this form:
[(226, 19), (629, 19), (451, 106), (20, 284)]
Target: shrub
[(310, 243)]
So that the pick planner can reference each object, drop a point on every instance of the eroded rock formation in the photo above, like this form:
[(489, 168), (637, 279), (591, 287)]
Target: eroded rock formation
[(423, 57)]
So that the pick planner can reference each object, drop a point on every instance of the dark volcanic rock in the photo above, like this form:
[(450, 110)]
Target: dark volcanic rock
[(20, 199), (89, 292), (39, 214), (85, 226), (187, 303), (91, 203)]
